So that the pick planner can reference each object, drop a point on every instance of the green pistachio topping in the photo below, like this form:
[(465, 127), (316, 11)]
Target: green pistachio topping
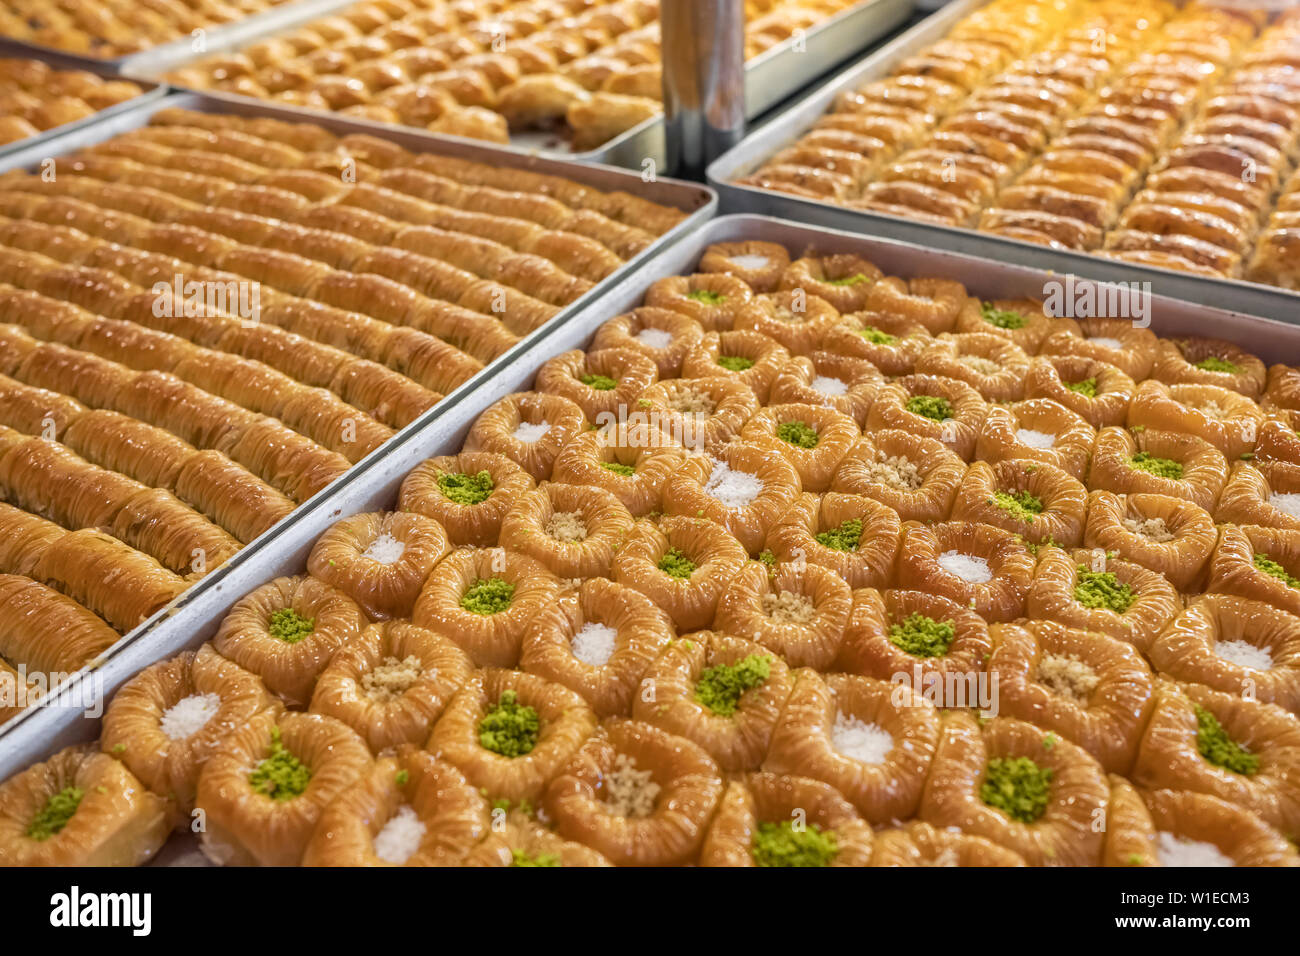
[(1086, 387), (923, 636), (56, 813), (403, 777), (289, 626), (466, 489), (720, 688), (767, 558), (735, 363), (618, 468), (1017, 786), (509, 728), (1269, 566), (930, 406), (1219, 749), (1002, 318), (281, 776), (857, 278), (1021, 504), (798, 434), (707, 296), (875, 336), (843, 538), (1160, 467), (781, 844), (488, 596), (520, 858), (676, 565), (1101, 589), (1215, 364), (601, 383)]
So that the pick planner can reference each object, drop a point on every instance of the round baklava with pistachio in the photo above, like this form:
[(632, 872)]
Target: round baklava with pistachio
[(722, 692), (468, 494)]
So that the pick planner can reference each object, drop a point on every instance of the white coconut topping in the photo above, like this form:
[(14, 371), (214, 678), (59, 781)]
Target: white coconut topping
[(188, 715), (858, 740), (594, 644), (735, 489), (751, 260), (400, 837), (1244, 654), (385, 549), (1105, 341), (1287, 502), (828, 386), (655, 338), (968, 567), (1027, 436), (528, 433), (1173, 850)]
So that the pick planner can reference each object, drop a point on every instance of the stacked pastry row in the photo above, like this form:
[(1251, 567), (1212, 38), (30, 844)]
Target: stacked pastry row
[(112, 28), (1193, 200), (1074, 192), (34, 98), (174, 380), (868, 127), (1023, 110), (482, 69), (1146, 134), (1271, 104), (944, 580)]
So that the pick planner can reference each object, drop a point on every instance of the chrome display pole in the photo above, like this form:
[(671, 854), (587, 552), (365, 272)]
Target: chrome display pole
[(704, 81)]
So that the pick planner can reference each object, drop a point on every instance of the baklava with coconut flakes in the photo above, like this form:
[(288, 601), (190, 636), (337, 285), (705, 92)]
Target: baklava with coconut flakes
[(584, 71), (148, 430), (719, 628), (1170, 144)]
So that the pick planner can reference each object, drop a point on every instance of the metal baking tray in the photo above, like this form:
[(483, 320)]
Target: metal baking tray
[(213, 37), (769, 78), (747, 156), (10, 49), (374, 483), (698, 201)]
